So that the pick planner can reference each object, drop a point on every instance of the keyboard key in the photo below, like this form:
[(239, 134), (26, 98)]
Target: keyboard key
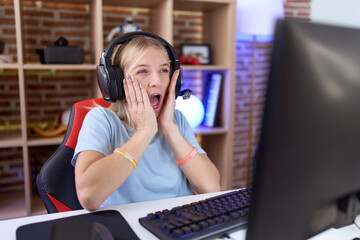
[(226, 218), (186, 230), (234, 215), (203, 224), (218, 220), (150, 216), (167, 227), (177, 233), (211, 222), (194, 227)]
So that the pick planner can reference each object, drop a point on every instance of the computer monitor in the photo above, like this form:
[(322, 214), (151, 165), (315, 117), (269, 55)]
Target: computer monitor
[(307, 176)]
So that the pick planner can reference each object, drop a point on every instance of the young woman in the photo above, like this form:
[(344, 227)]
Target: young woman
[(140, 148)]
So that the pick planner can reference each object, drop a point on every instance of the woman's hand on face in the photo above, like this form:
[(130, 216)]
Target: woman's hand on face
[(138, 105), (166, 117)]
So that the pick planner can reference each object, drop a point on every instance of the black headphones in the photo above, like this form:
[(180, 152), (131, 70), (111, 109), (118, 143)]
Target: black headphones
[(110, 77)]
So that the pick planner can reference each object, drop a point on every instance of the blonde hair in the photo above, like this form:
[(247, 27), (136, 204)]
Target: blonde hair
[(137, 47)]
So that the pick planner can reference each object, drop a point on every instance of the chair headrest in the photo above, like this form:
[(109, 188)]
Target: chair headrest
[(77, 115)]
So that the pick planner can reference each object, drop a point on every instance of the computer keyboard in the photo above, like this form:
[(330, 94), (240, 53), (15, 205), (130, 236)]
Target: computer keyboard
[(211, 217)]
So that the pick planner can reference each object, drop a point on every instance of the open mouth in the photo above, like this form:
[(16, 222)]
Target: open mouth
[(154, 100)]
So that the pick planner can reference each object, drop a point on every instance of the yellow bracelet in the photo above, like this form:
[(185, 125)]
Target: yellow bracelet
[(188, 157), (127, 156)]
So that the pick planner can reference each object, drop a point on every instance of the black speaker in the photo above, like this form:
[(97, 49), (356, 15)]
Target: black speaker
[(110, 77), (61, 53)]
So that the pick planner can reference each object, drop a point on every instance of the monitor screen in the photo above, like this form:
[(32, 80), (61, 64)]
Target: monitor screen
[(307, 175)]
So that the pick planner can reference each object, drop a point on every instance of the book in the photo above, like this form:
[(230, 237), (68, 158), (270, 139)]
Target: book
[(211, 99)]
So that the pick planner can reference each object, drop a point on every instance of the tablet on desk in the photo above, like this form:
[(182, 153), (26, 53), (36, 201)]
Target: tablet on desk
[(96, 225)]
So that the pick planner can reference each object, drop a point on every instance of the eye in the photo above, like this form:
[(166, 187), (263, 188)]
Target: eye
[(164, 70), (142, 71)]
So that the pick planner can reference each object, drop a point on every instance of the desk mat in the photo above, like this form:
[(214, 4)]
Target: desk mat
[(76, 225)]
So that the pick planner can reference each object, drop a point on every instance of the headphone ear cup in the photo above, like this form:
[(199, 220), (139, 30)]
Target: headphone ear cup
[(178, 83), (119, 82), (103, 81)]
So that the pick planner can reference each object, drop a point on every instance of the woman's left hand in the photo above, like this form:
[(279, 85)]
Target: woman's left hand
[(166, 117)]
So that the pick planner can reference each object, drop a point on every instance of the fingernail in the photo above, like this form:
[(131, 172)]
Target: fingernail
[(124, 82), (132, 78), (127, 76)]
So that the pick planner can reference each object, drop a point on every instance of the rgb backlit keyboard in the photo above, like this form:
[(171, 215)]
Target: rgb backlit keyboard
[(200, 220)]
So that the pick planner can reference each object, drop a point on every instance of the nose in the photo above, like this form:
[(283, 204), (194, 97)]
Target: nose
[(155, 79)]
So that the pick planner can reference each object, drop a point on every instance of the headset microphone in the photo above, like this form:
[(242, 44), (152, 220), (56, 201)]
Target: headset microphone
[(186, 94)]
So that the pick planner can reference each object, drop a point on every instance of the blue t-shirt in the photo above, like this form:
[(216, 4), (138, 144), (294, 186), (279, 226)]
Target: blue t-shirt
[(158, 175)]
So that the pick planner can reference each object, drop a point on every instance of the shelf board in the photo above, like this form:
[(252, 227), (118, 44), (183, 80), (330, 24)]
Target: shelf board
[(44, 141), (10, 139), (200, 5), (204, 67), (122, 3), (60, 66), (184, 5), (133, 3), (202, 130), (13, 139), (9, 65)]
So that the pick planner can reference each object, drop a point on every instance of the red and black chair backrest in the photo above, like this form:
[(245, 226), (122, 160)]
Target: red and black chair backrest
[(56, 180)]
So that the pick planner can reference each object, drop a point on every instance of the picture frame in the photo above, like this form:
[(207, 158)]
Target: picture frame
[(196, 50)]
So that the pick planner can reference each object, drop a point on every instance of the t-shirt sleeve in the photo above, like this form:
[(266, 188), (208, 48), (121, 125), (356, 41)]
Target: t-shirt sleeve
[(95, 133), (187, 131)]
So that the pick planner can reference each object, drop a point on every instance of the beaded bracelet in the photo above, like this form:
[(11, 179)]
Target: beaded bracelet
[(188, 157), (127, 156)]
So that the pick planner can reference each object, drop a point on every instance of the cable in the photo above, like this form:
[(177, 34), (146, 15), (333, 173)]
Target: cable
[(226, 235)]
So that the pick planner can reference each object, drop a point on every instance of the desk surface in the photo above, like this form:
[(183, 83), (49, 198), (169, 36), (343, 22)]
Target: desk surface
[(132, 212)]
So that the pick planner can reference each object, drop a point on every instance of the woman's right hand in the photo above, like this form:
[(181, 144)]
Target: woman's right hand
[(138, 105)]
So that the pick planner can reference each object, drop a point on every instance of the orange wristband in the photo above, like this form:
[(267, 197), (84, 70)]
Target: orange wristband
[(127, 156), (188, 157)]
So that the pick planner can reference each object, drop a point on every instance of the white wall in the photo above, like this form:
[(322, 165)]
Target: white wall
[(337, 12), (258, 16)]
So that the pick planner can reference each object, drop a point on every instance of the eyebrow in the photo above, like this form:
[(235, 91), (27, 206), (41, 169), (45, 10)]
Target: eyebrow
[(145, 65)]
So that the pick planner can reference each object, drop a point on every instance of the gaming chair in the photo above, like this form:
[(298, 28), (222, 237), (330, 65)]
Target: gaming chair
[(56, 180)]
